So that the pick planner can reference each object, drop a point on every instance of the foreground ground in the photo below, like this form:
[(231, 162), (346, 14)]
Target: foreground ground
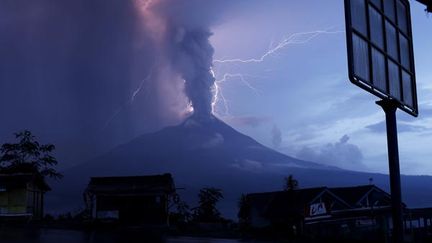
[(21, 235)]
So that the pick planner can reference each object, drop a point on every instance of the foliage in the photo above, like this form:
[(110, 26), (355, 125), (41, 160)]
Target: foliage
[(207, 211), (27, 155), (291, 183), (181, 212)]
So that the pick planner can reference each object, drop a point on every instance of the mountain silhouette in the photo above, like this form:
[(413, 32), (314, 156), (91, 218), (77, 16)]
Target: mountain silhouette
[(204, 151), (196, 143)]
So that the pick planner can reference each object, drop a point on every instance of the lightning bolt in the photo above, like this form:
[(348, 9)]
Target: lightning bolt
[(130, 101), (299, 38), (242, 78), (296, 38), (141, 85), (218, 94)]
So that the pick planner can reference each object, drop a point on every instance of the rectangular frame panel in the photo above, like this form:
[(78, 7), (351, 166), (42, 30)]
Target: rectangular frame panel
[(395, 27)]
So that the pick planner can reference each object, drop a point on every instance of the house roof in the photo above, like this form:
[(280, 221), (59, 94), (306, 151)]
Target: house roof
[(14, 180), (280, 203), (352, 195), (131, 184), (293, 201)]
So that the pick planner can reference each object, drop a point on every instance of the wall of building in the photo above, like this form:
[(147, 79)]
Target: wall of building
[(146, 209), (256, 220), (13, 201), (34, 201)]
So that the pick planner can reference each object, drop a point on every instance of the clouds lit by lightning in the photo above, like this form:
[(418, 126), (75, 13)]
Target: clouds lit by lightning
[(299, 38), (296, 38)]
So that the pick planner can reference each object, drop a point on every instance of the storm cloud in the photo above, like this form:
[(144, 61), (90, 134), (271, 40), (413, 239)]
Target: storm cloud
[(88, 75), (341, 154)]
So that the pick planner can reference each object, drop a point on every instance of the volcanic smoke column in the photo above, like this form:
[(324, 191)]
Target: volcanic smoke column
[(194, 58), (180, 32)]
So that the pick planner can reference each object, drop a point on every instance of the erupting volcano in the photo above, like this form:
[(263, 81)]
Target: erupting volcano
[(178, 87), (204, 151), (200, 151)]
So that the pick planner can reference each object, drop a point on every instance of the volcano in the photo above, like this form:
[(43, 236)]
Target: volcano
[(206, 152), (195, 146)]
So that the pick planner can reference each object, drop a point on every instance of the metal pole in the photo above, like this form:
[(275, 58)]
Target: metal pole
[(389, 108)]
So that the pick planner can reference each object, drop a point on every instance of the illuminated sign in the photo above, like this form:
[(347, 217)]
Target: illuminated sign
[(317, 209)]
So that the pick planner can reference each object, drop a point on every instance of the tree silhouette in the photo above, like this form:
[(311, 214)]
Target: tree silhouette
[(27, 155), (181, 212), (207, 211), (290, 183)]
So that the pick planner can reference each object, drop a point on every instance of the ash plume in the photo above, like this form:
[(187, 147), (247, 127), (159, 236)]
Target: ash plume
[(187, 47), (194, 56)]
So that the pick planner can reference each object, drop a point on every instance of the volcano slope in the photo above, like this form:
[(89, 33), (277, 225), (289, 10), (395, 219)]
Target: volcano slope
[(205, 152)]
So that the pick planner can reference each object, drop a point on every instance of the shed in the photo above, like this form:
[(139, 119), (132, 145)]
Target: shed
[(130, 199), (22, 195)]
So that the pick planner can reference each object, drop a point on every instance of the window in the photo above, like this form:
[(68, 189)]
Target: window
[(407, 89), (377, 3), (402, 17), (404, 52), (361, 57), (389, 9), (394, 80), (376, 29), (359, 16), (379, 70), (391, 41)]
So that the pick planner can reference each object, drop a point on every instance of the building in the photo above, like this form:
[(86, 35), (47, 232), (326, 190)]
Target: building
[(321, 211), (292, 207), (22, 195), (359, 213), (132, 200), (366, 197)]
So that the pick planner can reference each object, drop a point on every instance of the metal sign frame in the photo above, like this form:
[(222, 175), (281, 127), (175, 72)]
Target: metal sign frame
[(397, 63)]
